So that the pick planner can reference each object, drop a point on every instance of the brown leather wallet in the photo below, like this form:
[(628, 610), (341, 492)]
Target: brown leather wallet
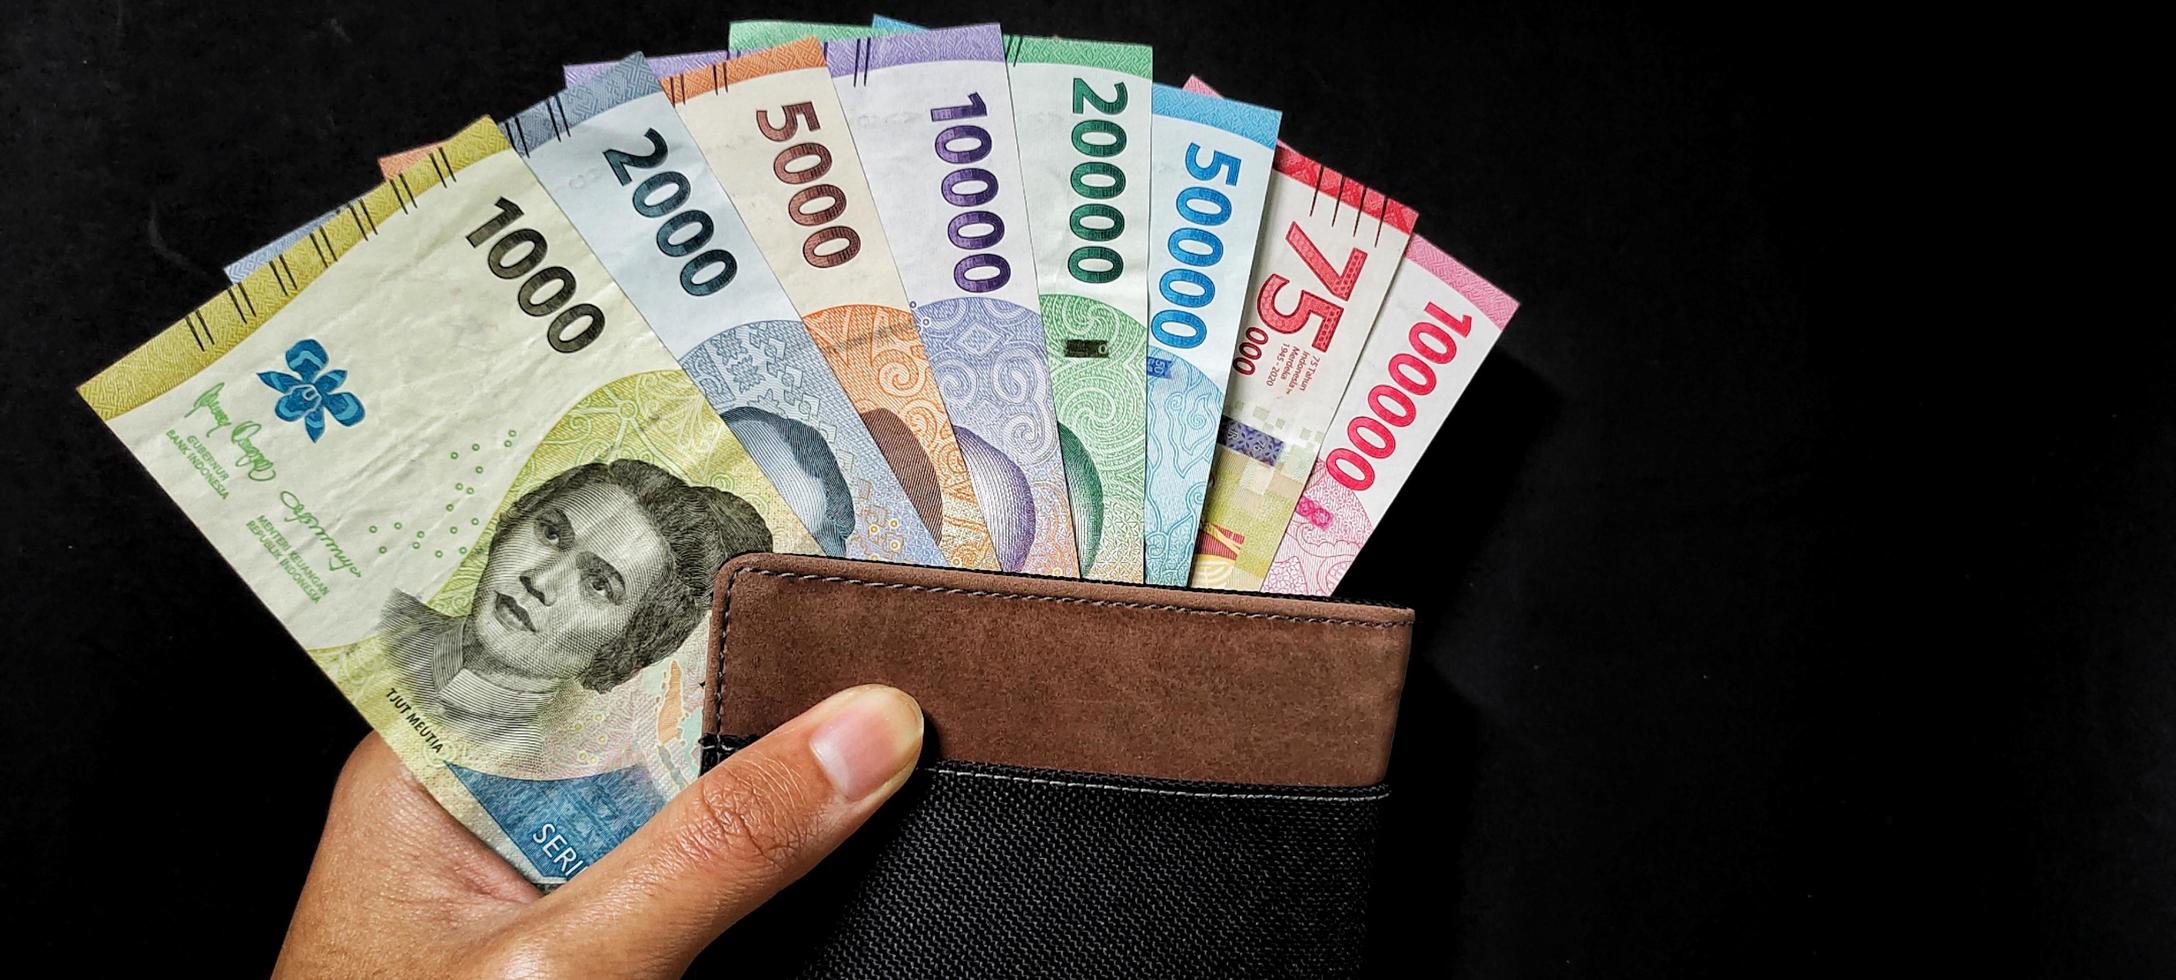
[(1119, 780)]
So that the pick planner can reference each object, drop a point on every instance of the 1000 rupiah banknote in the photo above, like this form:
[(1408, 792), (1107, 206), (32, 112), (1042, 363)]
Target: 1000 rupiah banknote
[(1329, 247), (931, 116), (617, 159), (1082, 113), (770, 125), (1210, 166), (442, 448), (1438, 322)]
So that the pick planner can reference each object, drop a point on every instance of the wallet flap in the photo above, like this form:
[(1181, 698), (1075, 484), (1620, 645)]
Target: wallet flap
[(1066, 674)]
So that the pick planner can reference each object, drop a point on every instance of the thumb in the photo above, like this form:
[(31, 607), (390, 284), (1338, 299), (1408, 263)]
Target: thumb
[(733, 838)]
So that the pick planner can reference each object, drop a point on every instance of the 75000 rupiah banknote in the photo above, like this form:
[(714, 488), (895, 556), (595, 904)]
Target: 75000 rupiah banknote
[(931, 116), (1210, 170), (1439, 320), (1329, 247), (770, 124), (1082, 113), (443, 449), (615, 156)]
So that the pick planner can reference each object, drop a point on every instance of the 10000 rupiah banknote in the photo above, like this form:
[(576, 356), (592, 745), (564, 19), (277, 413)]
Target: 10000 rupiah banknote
[(1438, 322), (770, 125), (1082, 113), (443, 449), (931, 116), (617, 159), (1329, 247), (1210, 166)]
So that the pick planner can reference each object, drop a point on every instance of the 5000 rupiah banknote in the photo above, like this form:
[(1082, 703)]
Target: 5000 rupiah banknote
[(1329, 247), (931, 116), (1210, 166), (770, 125), (1438, 322), (1082, 112), (443, 449), (615, 156)]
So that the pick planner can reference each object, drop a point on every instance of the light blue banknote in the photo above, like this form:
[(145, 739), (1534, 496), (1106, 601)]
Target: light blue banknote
[(615, 156), (1210, 165)]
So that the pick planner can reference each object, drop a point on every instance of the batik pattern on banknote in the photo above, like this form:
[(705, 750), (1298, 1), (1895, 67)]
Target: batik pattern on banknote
[(931, 117), (1437, 324), (443, 449)]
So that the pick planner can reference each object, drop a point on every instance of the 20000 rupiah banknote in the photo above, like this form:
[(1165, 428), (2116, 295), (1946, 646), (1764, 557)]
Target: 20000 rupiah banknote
[(1081, 109), (1210, 169), (615, 156), (1328, 249), (931, 116), (443, 449), (771, 127), (1438, 322)]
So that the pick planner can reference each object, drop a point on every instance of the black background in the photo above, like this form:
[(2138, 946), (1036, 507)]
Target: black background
[(1782, 609)]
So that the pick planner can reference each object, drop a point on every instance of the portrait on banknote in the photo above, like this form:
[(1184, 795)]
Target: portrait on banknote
[(596, 573), (803, 468)]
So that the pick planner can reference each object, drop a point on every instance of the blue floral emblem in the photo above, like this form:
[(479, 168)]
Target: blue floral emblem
[(311, 393)]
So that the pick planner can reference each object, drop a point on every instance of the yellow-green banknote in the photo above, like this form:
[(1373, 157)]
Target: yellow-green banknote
[(442, 447)]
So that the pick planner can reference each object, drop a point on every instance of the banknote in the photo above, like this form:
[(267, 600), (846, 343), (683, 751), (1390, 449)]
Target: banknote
[(748, 35), (1328, 250), (931, 116), (616, 158), (1209, 171), (240, 269), (1081, 110), (664, 66), (770, 125), (443, 449), (1438, 321)]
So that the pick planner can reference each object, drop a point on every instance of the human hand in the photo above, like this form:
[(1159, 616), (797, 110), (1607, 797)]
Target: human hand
[(400, 887)]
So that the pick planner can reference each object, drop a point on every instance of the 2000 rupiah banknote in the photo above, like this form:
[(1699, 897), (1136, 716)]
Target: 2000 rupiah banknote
[(616, 157), (1329, 246), (445, 451)]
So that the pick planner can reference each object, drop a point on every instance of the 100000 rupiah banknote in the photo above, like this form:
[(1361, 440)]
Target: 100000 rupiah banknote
[(1329, 247), (615, 156), (931, 117), (770, 125), (1210, 165), (442, 448), (1438, 322)]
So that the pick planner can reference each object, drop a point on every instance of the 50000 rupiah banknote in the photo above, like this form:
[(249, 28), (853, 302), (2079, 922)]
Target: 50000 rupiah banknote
[(615, 156), (1210, 170), (931, 116), (771, 127), (1082, 112), (443, 449), (1329, 247), (1439, 320)]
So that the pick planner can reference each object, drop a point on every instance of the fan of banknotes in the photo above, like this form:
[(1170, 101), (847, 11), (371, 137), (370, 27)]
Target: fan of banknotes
[(481, 436)]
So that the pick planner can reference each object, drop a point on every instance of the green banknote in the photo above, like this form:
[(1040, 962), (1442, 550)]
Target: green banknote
[(445, 450)]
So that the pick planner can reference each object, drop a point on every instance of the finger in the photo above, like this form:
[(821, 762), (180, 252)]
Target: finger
[(388, 847), (743, 831)]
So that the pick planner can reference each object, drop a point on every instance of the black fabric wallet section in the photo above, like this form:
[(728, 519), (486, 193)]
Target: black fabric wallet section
[(985, 871)]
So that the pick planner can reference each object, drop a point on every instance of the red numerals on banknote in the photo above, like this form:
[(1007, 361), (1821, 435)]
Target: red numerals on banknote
[(803, 162), (1412, 374), (1310, 306)]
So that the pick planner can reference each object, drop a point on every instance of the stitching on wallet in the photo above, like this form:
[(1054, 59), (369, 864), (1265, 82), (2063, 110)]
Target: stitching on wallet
[(981, 593), (1155, 791), (725, 612)]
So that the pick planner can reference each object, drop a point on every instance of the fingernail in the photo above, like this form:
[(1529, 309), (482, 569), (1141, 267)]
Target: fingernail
[(871, 737)]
